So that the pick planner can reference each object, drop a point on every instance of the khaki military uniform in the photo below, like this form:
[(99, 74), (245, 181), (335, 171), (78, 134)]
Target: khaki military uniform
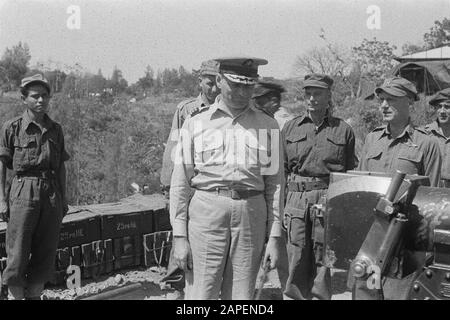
[(444, 145), (223, 161), (36, 205), (412, 152), (311, 153)]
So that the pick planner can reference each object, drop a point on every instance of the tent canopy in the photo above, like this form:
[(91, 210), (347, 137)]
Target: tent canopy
[(428, 76)]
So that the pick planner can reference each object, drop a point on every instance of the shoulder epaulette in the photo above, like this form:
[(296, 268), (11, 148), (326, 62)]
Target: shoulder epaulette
[(186, 102), (198, 111)]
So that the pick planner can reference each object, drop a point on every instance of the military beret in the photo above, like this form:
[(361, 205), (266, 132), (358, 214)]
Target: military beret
[(441, 96), (264, 87), (398, 87), (241, 69), (317, 80), (209, 67), (34, 79)]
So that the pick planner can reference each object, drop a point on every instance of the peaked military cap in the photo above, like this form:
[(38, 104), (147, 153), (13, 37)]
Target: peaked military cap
[(241, 69), (398, 87), (440, 96), (264, 87), (318, 80), (209, 67), (34, 79)]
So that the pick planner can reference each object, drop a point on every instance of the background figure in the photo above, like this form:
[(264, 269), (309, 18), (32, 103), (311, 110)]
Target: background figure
[(315, 144), (33, 146), (397, 145), (267, 98), (440, 129), (220, 231)]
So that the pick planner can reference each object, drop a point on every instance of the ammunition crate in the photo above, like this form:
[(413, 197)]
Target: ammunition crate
[(157, 247), (119, 219), (96, 258), (127, 252), (155, 212), (80, 227)]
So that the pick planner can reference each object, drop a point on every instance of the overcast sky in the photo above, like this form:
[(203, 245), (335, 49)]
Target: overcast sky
[(168, 33)]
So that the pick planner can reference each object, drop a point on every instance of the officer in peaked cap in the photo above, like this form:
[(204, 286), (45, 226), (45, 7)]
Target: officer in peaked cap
[(267, 96), (440, 129), (32, 145), (315, 144), (219, 233), (397, 145)]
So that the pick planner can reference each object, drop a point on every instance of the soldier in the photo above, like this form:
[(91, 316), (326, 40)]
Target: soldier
[(441, 130), (224, 161), (208, 94), (399, 145), (316, 143), (33, 146), (267, 98)]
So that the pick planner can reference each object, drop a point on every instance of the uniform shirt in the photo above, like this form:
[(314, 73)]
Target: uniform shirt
[(217, 150), (315, 152), (184, 110), (28, 148), (412, 152), (444, 145)]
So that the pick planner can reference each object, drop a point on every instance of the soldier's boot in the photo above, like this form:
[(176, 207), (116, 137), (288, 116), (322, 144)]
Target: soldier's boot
[(16, 293), (34, 291)]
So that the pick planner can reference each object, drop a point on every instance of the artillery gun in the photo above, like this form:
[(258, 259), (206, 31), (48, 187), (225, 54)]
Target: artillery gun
[(392, 234)]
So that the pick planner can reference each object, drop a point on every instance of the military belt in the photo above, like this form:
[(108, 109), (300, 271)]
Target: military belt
[(235, 194), (294, 186), (45, 174)]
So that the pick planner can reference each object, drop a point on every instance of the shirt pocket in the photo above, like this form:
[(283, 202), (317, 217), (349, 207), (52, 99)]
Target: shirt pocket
[(209, 151), (25, 151), (296, 144), (334, 149), (256, 156), (410, 160)]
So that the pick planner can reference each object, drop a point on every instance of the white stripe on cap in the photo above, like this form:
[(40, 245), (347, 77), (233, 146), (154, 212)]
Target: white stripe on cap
[(240, 79)]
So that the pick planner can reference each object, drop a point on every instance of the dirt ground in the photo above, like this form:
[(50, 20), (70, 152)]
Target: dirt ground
[(145, 284)]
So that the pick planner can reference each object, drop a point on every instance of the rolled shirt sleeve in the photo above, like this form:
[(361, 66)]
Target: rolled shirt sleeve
[(274, 191), (6, 145)]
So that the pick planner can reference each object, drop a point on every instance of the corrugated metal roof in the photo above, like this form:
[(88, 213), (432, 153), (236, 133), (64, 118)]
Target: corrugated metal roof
[(432, 54)]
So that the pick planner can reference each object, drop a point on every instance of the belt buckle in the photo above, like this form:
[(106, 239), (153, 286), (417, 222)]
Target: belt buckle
[(235, 195), (302, 185)]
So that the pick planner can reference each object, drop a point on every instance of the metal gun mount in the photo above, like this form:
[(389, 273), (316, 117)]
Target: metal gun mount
[(392, 225)]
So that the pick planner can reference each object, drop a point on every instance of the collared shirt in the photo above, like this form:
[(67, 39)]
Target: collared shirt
[(217, 150), (183, 111), (28, 147), (444, 144), (412, 152), (315, 152)]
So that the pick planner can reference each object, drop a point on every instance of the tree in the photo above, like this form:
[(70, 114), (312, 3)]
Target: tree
[(375, 59), (439, 34), (147, 81), (14, 64), (117, 83), (410, 48)]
